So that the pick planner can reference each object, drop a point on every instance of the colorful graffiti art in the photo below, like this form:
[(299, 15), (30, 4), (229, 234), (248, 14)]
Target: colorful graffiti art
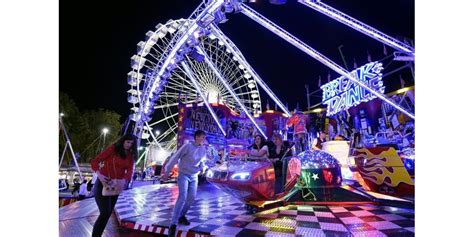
[(383, 171)]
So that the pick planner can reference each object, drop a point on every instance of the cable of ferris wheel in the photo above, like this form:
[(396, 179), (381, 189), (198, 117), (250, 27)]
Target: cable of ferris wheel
[(163, 119), (152, 135), (229, 89), (198, 89), (254, 74)]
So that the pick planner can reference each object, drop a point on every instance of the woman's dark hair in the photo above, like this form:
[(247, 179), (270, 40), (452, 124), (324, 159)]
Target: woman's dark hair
[(199, 133), (263, 143), (119, 146)]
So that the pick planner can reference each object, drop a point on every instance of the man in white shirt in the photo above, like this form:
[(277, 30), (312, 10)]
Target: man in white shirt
[(83, 190)]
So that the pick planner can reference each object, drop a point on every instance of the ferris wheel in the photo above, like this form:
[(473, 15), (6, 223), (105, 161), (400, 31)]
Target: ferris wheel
[(194, 60), (180, 87)]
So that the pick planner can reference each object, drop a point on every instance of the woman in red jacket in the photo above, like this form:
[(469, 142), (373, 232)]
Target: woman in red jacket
[(115, 162)]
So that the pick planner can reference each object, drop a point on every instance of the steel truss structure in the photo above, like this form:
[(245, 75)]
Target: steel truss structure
[(185, 57)]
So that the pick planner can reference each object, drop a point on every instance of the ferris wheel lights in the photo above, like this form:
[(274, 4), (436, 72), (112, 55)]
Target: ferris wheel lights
[(220, 17), (194, 54), (151, 35), (132, 99), (196, 34), (242, 67), (212, 36), (206, 20), (247, 75), (143, 48), (172, 62), (220, 42), (132, 79), (137, 62), (160, 34), (251, 85)]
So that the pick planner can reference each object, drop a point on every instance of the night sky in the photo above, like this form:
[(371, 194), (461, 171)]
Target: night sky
[(97, 39)]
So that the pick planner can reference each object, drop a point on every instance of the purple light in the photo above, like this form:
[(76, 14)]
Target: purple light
[(231, 91), (315, 54), (357, 25), (257, 78), (177, 42), (198, 89)]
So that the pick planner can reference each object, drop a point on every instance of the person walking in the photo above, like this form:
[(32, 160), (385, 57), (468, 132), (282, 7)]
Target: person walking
[(190, 163), (83, 190), (113, 165)]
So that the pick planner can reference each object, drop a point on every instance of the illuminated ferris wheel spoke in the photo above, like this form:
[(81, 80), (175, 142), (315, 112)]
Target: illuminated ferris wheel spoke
[(229, 89), (152, 134), (196, 85), (167, 132), (155, 54), (252, 73), (165, 105), (163, 119)]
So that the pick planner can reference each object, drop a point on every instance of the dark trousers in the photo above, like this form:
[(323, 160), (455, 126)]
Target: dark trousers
[(106, 206)]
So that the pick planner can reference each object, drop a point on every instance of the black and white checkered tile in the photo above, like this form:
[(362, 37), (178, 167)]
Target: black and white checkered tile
[(218, 214)]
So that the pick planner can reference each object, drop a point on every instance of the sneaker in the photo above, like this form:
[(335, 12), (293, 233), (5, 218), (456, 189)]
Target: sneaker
[(172, 231), (183, 220)]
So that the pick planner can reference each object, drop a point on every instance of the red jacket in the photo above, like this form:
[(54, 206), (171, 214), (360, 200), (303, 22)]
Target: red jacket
[(123, 167), (299, 121)]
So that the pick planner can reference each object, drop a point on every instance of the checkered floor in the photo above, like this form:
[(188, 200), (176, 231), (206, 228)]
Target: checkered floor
[(149, 208)]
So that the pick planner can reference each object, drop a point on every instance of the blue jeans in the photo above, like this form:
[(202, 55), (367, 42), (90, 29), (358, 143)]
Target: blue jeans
[(187, 185)]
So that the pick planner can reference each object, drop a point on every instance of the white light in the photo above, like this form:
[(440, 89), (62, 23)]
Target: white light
[(209, 174), (213, 95), (315, 54), (240, 176), (140, 148), (196, 34), (157, 132), (61, 114), (105, 130)]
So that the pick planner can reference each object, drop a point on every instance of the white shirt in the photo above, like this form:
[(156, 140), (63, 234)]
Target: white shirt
[(83, 189), (264, 148)]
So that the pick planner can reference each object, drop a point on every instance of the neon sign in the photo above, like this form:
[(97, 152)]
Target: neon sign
[(341, 93)]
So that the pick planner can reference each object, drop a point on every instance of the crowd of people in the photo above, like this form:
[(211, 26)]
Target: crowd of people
[(116, 163)]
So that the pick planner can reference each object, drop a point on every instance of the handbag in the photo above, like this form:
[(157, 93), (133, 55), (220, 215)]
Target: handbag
[(115, 186)]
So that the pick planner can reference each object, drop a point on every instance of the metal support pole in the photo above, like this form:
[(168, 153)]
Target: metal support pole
[(249, 12), (357, 25), (64, 153), (342, 56), (307, 96), (68, 142)]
